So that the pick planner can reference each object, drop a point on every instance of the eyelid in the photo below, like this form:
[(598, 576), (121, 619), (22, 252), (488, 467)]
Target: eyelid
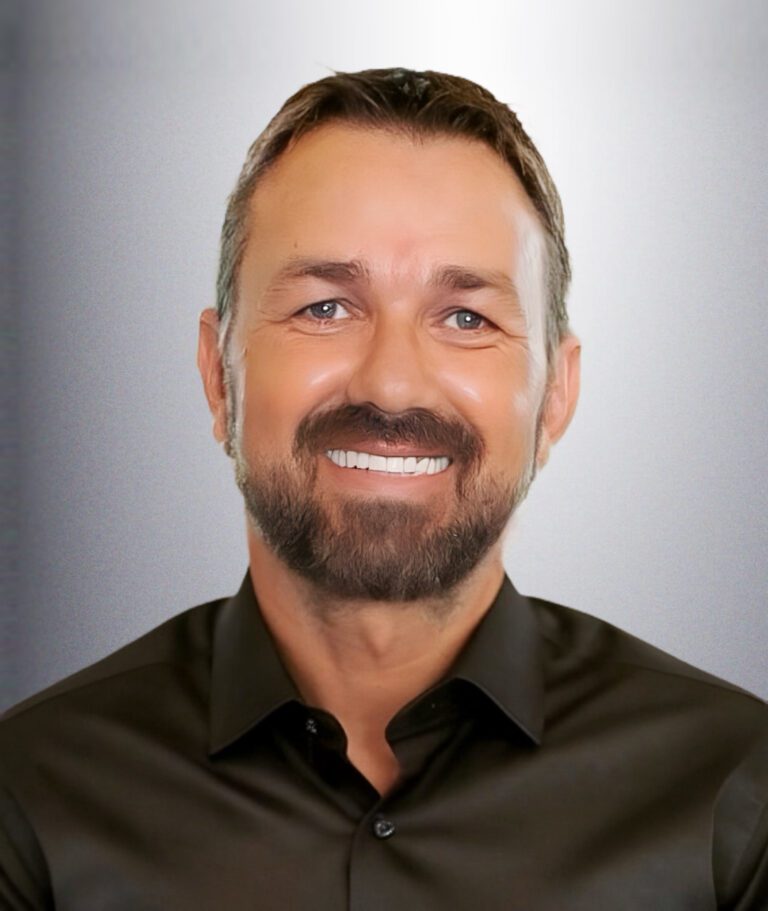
[(328, 300), (487, 324)]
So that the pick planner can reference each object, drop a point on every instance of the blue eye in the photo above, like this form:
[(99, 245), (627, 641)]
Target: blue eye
[(467, 319), (325, 311)]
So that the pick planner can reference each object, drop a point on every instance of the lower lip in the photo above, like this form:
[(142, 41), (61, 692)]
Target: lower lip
[(382, 481)]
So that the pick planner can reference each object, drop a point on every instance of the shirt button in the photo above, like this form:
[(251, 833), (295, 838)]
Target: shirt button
[(311, 725), (383, 828)]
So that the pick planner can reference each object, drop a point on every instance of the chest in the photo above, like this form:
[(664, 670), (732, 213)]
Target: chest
[(477, 823)]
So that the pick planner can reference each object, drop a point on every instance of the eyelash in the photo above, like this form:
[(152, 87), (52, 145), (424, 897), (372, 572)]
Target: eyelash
[(486, 323), (308, 309)]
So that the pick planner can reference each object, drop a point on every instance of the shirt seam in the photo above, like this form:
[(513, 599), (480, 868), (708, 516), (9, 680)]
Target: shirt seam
[(721, 685), (745, 872), (12, 712), (14, 798)]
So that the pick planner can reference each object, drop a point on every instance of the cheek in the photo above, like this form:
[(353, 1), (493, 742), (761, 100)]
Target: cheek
[(497, 397), (281, 385)]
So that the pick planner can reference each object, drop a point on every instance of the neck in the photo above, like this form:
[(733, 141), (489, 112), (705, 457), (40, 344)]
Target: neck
[(363, 660)]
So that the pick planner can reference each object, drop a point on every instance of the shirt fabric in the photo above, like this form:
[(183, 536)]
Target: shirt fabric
[(562, 765)]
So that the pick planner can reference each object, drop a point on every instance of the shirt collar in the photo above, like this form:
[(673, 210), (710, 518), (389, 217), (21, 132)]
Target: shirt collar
[(502, 659), (248, 679)]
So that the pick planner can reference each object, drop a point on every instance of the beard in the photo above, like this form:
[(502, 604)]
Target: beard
[(380, 548)]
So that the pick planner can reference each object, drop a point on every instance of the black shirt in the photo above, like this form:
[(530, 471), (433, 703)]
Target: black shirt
[(562, 765)]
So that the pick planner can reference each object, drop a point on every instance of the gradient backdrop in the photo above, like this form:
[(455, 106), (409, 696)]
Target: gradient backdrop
[(132, 121)]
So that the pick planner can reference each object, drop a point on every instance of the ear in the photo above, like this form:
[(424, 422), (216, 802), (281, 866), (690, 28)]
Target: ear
[(561, 396), (211, 367)]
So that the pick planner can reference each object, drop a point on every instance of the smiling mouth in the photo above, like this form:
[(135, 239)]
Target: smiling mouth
[(396, 465)]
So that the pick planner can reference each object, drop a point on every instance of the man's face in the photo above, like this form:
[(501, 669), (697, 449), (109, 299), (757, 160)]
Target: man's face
[(387, 361)]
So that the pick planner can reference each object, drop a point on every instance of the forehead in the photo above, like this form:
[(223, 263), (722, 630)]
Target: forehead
[(399, 203)]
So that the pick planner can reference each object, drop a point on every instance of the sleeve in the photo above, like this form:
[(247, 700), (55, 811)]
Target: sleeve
[(740, 845), (24, 881)]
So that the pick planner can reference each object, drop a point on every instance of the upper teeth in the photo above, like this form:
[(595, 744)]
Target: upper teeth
[(347, 458)]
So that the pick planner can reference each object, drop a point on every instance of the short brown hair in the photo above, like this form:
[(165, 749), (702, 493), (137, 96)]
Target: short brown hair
[(418, 104)]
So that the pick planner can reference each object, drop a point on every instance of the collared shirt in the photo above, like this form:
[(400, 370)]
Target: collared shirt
[(561, 765)]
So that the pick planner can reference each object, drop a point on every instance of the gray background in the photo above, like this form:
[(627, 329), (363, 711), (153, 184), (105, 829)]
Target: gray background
[(131, 123)]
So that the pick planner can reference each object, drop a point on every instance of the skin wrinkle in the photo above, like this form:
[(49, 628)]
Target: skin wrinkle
[(358, 272), (528, 291), (528, 288), (530, 283)]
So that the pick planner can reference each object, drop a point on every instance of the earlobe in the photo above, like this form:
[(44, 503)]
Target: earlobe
[(561, 397), (210, 365)]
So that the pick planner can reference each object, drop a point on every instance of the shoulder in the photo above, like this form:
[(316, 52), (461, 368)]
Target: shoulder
[(651, 717), (133, 680), (591, 658)]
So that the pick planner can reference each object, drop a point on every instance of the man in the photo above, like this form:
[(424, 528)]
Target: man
[(378, 719)]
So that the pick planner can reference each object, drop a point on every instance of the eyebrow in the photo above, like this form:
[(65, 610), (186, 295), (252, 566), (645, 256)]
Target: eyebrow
[(355, 271)]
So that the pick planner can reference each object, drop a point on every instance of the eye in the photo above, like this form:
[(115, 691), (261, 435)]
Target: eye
[(467, 319), (325, 311)]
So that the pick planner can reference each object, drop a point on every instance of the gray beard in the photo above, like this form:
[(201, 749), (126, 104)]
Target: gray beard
[(377, 548)]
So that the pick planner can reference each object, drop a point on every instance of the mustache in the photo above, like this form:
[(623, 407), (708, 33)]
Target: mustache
[(417, 426)]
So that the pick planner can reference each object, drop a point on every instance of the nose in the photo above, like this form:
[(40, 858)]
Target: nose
[(395, 370)]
